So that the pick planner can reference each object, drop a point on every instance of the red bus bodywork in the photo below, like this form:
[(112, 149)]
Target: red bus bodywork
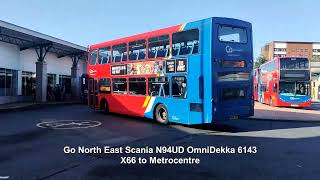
[(267, 91), (124, 104)]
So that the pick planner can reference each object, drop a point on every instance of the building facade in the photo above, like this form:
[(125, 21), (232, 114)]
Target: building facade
[(310, 50), (20, 54)]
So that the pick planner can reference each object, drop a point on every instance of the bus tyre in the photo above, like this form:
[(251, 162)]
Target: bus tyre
[(161, 114), (104, 106)]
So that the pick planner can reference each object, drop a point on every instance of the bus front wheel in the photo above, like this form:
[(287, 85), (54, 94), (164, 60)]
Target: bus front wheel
[(104, 106), (161, 114)]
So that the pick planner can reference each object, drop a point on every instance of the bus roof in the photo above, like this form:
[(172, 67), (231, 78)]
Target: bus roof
[(158, 32), (138, 36)]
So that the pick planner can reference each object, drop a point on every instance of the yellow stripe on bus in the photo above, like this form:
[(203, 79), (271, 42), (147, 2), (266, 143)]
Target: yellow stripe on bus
[(146, 101), (182, 27)]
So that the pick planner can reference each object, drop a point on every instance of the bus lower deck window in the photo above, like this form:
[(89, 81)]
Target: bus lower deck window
[(179, 87), (104, 85), (137, 86), (119, 85), (158, 86)]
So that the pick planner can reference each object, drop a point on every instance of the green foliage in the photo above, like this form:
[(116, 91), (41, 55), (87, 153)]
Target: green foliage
[(315, 58), (260, 60)]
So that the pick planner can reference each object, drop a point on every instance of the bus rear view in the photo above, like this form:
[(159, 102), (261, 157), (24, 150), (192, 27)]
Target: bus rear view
[(232, 66)]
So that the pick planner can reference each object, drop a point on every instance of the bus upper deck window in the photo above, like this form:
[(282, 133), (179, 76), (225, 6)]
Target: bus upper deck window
[(185, 42), (294, 63), (104, 55), (137, 50), (119, 52), (232, 34), (93, 57), (158, 46)]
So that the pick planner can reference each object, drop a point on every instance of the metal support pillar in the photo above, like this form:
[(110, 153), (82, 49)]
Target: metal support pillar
[(75, 78), (41, 73)]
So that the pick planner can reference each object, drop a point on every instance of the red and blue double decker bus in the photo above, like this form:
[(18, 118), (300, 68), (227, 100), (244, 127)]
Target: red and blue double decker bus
[(192, 73), (284, 81)]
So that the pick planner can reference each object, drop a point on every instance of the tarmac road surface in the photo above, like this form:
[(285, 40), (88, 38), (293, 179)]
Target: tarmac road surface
[(284, 149)]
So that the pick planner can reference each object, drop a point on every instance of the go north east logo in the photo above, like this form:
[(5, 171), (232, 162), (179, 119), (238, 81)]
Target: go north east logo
[(229, 50), (294, 98), (69, 124)]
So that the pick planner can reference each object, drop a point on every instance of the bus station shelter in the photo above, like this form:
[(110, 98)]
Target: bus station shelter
[(26, 54)]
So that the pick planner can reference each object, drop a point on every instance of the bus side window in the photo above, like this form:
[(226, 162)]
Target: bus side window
[(119, 52), (104, 86), (137, 86), (93, 56), (158, 86), (185, 42), (158, 46), (119, 86), (179, 87), (104, 55), (137, 50)]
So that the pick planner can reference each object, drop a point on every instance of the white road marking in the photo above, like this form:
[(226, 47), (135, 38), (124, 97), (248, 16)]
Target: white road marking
[(69, 124)]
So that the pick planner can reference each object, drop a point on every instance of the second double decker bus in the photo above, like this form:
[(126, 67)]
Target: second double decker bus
[(284, 81), (192, 73)]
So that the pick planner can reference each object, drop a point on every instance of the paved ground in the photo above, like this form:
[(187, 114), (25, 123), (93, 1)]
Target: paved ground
[(263, 111), (21, 106), (285, 149)]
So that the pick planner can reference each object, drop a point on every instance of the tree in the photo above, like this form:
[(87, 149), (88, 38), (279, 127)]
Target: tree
[(260, 60), (315, 58)]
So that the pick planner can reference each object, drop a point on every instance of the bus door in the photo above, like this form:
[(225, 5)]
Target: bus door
[(232, 66), (84, 87), (93, 93)]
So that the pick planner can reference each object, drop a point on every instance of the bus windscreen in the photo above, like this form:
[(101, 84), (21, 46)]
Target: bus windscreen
[(294, 88)]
